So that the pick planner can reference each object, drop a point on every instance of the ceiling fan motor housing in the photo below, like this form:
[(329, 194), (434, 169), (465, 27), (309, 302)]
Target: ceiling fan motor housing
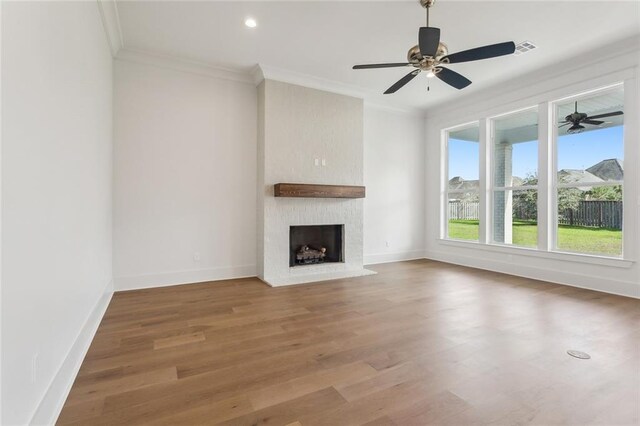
[(426, 3), (576, 116), (426, 63)]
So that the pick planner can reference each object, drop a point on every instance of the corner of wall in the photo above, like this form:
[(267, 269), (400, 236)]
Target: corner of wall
[(1, 212), (111, 21), (260, 158), (51, 404)]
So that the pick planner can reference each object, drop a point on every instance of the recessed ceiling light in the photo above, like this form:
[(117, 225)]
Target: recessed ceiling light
[(250, 22)]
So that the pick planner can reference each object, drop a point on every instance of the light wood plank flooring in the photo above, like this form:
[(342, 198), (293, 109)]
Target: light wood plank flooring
[(419, 343)]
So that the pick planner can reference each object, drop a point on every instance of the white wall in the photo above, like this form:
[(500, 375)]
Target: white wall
[(394, 174), (184, 177), (575, 76), (56, 199)]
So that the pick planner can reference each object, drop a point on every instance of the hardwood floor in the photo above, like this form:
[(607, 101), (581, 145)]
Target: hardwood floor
[(420, 343)]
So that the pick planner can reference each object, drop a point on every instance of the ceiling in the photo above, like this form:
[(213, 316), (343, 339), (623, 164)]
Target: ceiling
[(324, 39)]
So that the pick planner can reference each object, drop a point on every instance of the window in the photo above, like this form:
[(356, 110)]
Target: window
[(515, 178), (463, 190), (496, 192), (590, 173)]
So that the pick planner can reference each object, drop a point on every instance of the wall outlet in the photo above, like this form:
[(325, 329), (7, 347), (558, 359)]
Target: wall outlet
[(34, 368), (316, 161), (196, 256), (324, 161)]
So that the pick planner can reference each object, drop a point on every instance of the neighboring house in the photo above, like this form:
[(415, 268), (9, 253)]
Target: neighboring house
[(459, 184), (463, 190), (577, 176), (611, 169), (605, 170)]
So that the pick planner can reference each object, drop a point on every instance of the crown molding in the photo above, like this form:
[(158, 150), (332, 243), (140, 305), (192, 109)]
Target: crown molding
[(111, 22), (259, 73), (371, 98), (184, 65), (411, 112)]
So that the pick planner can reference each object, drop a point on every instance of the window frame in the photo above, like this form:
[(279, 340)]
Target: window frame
[(444, 230), (553, 178), (492, 188), (547, 203)]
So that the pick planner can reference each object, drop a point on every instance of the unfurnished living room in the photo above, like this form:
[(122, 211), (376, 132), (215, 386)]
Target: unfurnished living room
[(296, 213)]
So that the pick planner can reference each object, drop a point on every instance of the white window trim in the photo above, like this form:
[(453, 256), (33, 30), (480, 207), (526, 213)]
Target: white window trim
[(547, 201), (590, 185), (554, 255), (444, 177), (490, 166), (516, 188), (553, 144)]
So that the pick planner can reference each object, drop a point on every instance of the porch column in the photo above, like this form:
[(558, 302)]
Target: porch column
[(503, 201)]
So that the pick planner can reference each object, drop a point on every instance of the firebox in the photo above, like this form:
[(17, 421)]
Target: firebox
[(315, 244)]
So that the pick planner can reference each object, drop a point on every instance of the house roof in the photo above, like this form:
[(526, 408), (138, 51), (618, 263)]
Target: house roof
[(610, 169), (459, 184), (578, 177)]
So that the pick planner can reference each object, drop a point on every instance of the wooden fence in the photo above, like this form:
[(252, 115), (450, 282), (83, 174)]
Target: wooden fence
[(597, 214), (461, 210)]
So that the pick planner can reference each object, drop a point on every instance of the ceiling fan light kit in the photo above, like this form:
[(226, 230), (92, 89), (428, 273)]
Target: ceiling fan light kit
[(430, 54)]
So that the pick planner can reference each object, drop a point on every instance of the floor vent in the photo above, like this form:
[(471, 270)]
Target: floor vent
[(579, 354)]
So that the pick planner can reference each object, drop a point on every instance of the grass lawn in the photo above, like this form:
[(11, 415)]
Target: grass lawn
[(570, 238)]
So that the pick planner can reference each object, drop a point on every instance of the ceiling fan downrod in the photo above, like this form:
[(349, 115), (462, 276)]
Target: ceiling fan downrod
[(427, 5)]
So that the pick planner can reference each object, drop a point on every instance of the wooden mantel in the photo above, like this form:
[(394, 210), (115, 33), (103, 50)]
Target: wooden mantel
[(318, 191)]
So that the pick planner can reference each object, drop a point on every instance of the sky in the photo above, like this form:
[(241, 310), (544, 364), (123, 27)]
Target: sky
[(578, 151)]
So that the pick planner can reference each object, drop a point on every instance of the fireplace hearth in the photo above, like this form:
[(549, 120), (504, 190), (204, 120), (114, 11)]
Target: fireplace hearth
[(314, 244)]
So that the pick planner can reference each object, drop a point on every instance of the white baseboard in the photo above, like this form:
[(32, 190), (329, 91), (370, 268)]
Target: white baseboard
[(372, 259), (165, 279), (51, 404), (621, 288)]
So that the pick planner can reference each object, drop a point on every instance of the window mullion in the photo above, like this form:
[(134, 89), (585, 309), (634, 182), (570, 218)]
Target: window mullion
[(545, 172), (630, 192), (484, 199), (444, 186)]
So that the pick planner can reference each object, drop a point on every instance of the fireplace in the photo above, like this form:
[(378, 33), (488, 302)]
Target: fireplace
[(315, 244)]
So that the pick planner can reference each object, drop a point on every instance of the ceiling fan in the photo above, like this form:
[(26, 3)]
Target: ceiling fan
[(576, 119), (430, 54)]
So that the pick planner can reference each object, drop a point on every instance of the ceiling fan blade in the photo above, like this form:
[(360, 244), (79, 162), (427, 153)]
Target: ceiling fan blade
[(452, 78), (391, 65), (565, 124), (404, 80), (608, 114), (592, 122), (429, 40), (484, 52)]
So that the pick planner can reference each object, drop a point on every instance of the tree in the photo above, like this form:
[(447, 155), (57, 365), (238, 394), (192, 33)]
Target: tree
[(605, 193), (525, 203), (569, 199)]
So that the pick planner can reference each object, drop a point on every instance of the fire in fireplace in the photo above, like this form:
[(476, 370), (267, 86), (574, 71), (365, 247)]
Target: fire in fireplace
[(311, 244)]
